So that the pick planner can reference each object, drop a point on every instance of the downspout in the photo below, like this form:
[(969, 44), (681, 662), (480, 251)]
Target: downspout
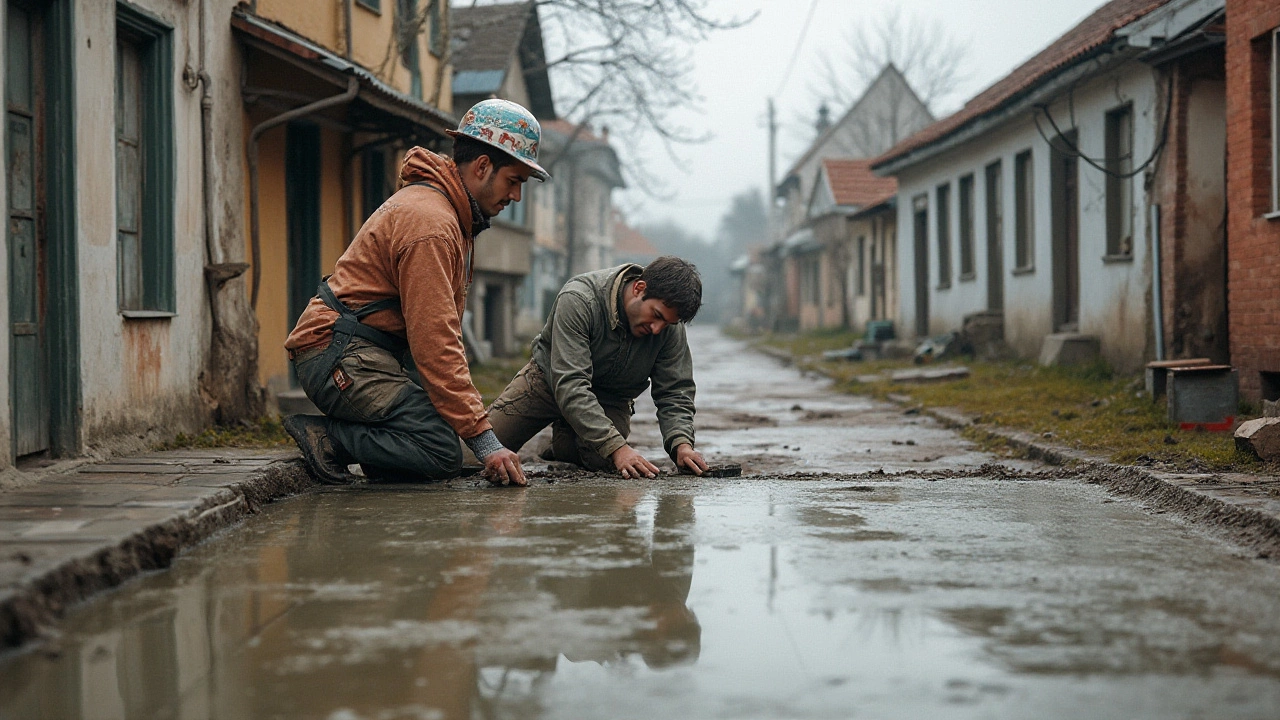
[(216, 272), (353, 89), (346, 17), (1157, 291)]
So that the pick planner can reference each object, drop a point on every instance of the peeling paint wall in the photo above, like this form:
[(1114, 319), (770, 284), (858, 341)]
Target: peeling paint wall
[(1114, 293), (139, 377)]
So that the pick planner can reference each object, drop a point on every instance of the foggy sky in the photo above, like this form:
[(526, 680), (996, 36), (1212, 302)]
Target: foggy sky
[(737, 70)]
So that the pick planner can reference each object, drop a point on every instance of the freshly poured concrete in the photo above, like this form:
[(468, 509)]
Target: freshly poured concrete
[(826, 596), (746, 598)]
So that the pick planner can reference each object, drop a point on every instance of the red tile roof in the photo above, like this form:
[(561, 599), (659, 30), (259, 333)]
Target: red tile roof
[(853, 183), (1092, 33), (628, 241)]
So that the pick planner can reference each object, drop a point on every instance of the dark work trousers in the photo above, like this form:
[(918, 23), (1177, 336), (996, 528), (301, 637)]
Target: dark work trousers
[(527, 406), (378, 410)]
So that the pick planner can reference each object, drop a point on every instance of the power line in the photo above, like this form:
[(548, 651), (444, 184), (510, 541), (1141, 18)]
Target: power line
[(795, 53)]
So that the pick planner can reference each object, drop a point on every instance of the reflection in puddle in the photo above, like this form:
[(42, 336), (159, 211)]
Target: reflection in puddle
[(603, 600)]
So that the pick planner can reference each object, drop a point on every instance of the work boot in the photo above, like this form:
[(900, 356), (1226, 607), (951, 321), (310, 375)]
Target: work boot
[(323, 457)]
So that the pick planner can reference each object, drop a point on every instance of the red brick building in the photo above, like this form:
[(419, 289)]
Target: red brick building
[(1253, 206)]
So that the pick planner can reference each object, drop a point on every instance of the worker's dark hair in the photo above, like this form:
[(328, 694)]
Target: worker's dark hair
[(675, 282), (467, 149)]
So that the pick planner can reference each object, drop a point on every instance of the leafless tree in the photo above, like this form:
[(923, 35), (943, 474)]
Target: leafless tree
[(922, 50), (626, 65)]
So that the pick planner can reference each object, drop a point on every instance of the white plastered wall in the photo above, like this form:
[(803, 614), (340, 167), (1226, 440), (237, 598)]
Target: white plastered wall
[(1114, 295)]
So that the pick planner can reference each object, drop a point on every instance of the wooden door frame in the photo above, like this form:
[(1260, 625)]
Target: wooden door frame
[(62, 298), (1065, 218)]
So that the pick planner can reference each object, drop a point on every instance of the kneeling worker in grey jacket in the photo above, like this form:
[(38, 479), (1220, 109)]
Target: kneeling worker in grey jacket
[(610, 333)]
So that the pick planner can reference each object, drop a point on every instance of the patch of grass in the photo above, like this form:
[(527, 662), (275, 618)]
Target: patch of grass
[(1089, 408), (261, 433), (803, 345)]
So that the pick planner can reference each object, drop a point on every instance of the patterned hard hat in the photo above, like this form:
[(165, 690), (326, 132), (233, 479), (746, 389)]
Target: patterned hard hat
[(507, 126)]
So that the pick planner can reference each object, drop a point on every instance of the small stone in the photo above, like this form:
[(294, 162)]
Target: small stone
[(1048, 435), (911, 442), (1170, 440), (797, 407), (1260, 437), (1129, 411)]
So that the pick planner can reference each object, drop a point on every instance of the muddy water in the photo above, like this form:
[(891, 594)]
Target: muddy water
[(751, 598)]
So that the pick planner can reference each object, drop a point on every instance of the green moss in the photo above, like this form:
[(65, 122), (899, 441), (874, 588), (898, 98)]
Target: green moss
[(262, 433), (1089, 408)]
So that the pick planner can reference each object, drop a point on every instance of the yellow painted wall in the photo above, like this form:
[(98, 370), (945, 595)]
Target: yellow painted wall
[(317, 20), (372, 33), (273, 293)]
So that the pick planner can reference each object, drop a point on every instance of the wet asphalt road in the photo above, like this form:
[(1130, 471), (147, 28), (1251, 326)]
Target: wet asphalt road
[(760, 597)]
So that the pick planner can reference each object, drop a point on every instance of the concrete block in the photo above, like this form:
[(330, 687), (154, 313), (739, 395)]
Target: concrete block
[(1260, 437), (1204, 397), (1158, 373), (1069, 349)]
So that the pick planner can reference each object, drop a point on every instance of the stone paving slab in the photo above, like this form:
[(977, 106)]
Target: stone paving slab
[(83, 530)]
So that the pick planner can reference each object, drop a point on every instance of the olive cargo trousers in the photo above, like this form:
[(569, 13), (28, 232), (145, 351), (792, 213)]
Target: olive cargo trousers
[(527, 406), (378, 411)]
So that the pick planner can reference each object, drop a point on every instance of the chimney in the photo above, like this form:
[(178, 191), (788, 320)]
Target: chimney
[(824, 118), (604, 132)]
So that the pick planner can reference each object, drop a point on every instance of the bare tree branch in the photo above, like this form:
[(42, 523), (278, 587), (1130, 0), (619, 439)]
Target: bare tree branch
[(923, 51)]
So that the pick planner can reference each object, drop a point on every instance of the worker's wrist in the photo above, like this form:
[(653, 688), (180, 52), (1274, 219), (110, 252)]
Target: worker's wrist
[(484, 444)]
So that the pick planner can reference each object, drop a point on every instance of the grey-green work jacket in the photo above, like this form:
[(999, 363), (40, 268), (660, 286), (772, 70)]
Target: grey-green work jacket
[(587, 352)]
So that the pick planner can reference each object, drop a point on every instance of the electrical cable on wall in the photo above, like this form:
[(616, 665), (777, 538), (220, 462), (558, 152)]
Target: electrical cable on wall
[(1076, 152)]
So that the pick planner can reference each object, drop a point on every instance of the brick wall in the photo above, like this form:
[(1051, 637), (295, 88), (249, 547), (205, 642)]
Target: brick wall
[(1253, 242)]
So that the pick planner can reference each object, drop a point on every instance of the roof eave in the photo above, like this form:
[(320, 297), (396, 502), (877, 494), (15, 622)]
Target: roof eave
[(321, 61), (1086, 67)]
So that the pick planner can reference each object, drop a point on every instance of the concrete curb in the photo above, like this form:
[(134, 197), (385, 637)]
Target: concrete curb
[(1239, 511), (219, 496)]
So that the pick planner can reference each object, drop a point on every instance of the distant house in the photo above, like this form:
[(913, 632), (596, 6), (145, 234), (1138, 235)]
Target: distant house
[(887, 113), (630, 245), (807, 279), (497, 52), (574, 228), (1035, 201)]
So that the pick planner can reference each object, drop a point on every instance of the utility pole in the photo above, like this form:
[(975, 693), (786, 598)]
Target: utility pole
[(773, 153)]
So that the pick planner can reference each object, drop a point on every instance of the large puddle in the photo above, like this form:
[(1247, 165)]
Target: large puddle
[(746, 599)]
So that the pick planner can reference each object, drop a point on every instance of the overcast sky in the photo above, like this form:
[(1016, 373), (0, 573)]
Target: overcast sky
[(738, 70)]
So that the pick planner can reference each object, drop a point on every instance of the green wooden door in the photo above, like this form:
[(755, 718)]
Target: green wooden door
[(302, 211), (23, 124)]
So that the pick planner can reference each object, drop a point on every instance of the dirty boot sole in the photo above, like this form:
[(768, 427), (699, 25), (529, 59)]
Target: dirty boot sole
[(308, 431)]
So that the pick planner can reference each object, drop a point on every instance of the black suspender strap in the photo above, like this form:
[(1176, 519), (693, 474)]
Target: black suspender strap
[(349, 321)]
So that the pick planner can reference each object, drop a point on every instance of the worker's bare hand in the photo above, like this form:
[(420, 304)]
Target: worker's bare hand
[(690, 459), (503, 468), (632, 464)]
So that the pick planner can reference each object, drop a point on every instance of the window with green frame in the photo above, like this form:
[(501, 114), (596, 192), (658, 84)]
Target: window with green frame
[(144, 162)]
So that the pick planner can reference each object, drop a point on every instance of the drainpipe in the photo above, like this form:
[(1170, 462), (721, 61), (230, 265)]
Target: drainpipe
[(346, 16), (1157, 292), (353, 89)]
